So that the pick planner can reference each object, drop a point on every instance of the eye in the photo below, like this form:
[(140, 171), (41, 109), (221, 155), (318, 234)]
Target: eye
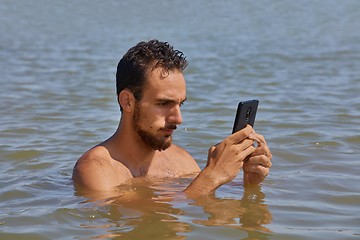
[(164, 103)]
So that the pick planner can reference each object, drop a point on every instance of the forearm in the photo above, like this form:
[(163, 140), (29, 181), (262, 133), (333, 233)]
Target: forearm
[(204, 184)]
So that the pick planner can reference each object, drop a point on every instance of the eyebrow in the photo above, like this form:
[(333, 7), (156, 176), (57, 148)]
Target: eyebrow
[(169, 100)]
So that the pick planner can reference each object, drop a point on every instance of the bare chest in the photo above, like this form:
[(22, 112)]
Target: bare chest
[(166, 167)]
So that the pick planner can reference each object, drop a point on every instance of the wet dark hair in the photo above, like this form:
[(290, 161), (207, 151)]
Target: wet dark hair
[(141, 59)]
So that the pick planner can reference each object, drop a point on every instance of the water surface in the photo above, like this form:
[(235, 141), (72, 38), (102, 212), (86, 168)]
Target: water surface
[(300, 59)]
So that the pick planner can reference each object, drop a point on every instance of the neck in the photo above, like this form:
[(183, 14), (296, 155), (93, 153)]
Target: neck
[(127, 148)]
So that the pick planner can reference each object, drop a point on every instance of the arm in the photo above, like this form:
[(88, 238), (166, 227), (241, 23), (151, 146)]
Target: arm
[(95, 170), (224, 162), (92, 175)]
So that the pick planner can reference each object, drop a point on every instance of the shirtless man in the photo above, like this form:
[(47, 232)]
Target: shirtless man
[(151, 89)]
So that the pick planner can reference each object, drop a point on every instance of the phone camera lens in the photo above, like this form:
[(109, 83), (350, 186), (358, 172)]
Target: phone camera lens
[(248, 112)]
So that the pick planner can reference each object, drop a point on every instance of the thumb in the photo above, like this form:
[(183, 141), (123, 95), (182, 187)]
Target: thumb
[(211, 149)]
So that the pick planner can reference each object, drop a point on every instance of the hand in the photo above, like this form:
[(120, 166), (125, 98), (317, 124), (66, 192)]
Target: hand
[(224, 162), (227, 158), (258, 164)]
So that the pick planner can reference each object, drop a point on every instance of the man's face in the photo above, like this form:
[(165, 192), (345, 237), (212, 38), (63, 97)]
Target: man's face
[(157, 114)]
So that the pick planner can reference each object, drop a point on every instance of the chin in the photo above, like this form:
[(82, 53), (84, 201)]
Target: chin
[(167, 143)]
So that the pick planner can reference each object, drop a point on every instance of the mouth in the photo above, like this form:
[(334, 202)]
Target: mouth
[(168, 130)]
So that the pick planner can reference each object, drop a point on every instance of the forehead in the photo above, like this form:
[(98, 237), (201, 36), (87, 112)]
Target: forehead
[(165, 84)]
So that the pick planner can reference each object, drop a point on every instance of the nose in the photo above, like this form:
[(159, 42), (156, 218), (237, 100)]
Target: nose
[(175, 115)]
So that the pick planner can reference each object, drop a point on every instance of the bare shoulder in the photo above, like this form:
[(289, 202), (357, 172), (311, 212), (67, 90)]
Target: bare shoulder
[(183, 159), (97, 170)]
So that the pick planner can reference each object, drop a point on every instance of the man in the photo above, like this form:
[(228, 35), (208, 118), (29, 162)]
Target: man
[(151, 89)]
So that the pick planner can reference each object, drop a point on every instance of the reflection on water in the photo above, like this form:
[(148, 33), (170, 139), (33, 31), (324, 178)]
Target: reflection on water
[(250, 212), (133, 212)]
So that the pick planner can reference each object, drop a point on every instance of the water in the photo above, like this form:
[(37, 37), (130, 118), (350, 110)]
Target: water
[(300, 59)]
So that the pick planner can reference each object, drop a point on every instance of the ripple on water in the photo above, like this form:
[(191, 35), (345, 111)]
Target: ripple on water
[(23, 154)]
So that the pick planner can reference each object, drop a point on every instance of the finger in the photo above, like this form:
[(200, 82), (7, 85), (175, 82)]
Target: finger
[(244, 144), (241, 155), (240, 135), (212, 148), (258, 138), (259, 160), (263, 150), (258, 169)]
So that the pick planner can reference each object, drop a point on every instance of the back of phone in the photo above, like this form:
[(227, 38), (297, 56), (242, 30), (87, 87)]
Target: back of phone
[(245, 114)]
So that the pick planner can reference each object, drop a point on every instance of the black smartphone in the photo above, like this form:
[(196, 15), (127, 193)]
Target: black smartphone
[(245, 114)]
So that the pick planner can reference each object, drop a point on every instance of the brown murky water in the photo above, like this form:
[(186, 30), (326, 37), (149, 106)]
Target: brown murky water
[(300, 59)]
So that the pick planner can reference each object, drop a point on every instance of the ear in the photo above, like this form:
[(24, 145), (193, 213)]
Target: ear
[(126, 100)]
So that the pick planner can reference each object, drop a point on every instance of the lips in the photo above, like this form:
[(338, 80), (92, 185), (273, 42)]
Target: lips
[(169, 130)]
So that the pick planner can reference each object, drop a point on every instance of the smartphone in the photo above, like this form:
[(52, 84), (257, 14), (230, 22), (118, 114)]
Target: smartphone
[(245, 114)]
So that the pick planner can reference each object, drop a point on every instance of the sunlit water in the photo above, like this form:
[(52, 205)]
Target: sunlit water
[(301, 59)]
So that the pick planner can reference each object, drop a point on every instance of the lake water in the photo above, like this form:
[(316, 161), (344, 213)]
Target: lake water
[(301, 59)]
